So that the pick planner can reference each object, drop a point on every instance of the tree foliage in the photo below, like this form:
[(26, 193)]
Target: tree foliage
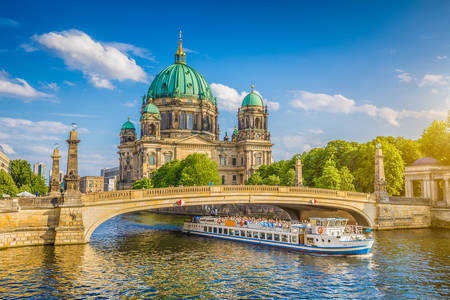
[(144, 183), (435, 142), (279, 173), (26, 180), (7, 185), (195, 169)]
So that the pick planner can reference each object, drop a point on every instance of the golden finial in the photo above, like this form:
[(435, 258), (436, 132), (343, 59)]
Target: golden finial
[(180, 47), (251, 86), (180, 35), (128, 118)]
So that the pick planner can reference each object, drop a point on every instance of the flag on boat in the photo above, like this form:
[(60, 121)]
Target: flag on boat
[(180, 202)]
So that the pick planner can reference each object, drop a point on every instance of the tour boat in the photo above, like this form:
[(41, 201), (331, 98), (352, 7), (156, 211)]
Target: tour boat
[(319, 235)]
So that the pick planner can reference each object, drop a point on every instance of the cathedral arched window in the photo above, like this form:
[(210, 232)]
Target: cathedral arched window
[(258, 123), (223, 161), (223, 179), (164, 121), (183, 119), (167, 157), (151, 159), (189, 121)]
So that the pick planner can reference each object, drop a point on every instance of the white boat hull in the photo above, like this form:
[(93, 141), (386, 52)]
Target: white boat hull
[(351, 248)]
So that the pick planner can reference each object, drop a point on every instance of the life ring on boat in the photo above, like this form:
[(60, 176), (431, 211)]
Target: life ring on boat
[(320, 229)]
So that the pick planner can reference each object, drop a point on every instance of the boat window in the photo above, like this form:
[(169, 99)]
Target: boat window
[(329, 241), (249, 234), (317, 240), (225, 230), (209, 229), (294, 239), (284, 238), (215, 229), (332, 223), (276, 237), (236, 232), (205, 228), (262, 235), (269, 236), (243, 233), (255, 234), (220, 230), (323, 241)]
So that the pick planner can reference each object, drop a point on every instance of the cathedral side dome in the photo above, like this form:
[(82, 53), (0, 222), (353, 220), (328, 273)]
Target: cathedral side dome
[(128, 125), (252, 99), (151, 109)]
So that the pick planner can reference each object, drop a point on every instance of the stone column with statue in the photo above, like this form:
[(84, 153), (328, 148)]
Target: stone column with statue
[(55, 185), (380, 180), (298, 173), (70, 229)]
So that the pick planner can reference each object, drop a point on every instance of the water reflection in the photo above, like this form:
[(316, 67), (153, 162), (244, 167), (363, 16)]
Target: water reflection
[(143, 255)]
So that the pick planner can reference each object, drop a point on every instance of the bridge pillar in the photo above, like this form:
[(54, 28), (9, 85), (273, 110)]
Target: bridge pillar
[(70, 228)]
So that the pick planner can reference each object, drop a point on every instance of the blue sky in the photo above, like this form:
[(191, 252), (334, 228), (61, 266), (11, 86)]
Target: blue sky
[(328, 70)]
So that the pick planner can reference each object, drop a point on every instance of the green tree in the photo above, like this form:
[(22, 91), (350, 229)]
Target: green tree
[(38, 185), (271, 180), (255, 179), (393, 167), (330, 178), (288, 178), (313, 162), (435, 142), (167, 175), (144, 183), (25, 188), (409, 149), (21, 172), (7, 185), (198, 169), (346, 180)]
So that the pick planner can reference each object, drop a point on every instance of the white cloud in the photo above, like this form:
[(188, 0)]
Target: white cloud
[(136, 51), (5, 22), (130, 103), (69, 83), (50, 86), (27, 126), (315, 131), (230, 99), (340, 104), (403, 76), (434, 79), (100, 62), (18, 88), (28, 48), (187, 50), (443, 57), (7, 149), (74, 115)]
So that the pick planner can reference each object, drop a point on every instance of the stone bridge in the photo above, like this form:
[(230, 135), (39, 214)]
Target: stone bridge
[(72, 220)]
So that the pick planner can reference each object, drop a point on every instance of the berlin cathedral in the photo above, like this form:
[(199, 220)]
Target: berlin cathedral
[(179, 116)]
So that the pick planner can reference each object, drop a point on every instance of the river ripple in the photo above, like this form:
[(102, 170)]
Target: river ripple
[(144, 255)]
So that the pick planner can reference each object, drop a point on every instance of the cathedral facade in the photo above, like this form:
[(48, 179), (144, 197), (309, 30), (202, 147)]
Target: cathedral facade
[(179, 116)]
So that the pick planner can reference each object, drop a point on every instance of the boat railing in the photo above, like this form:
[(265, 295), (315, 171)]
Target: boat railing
[(353, 229)]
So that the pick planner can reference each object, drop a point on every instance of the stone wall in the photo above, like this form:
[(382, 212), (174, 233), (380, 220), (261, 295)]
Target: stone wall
[(401, 212), (440, 217), (28, 227)]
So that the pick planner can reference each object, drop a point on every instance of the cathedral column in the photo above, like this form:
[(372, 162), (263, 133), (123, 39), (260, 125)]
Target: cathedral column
[(409, 188), (447, 191)]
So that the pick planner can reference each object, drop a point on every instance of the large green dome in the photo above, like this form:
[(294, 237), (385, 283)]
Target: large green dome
[(252, 99), (180, 81)]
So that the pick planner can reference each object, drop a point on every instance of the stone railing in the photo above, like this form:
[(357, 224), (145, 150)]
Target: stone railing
[(9, 205), (145, 193), (409, 201)]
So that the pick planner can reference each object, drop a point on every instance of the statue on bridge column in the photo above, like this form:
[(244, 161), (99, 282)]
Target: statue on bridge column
[(380, 179), (72, 192), (298, 173), (55, 184)]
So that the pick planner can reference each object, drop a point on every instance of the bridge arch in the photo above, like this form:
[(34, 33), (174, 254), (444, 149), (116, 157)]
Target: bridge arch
[(99, 207)]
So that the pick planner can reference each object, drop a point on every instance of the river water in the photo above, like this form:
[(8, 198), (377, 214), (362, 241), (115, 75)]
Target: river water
[(144, 255)]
